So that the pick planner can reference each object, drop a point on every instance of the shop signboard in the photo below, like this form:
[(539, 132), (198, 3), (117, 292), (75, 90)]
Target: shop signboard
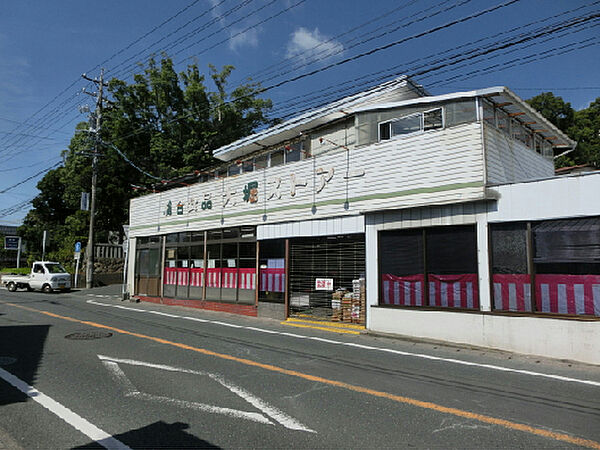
[(324, 284)]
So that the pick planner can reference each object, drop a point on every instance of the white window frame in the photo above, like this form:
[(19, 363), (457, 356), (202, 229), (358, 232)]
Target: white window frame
[(421, 115)]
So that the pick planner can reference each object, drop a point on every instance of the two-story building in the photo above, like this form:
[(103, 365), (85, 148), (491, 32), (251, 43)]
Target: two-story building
[(435, 217)]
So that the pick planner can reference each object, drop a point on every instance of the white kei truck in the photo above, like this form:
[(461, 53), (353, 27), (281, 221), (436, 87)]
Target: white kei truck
[(47, 276)]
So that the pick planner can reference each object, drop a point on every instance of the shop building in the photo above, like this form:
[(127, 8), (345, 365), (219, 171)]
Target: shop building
[(428, 216)]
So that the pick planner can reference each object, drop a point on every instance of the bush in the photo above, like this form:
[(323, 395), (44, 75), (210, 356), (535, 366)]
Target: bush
[(19, 271)]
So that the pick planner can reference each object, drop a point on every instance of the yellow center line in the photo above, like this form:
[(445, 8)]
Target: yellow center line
[(340, 384)]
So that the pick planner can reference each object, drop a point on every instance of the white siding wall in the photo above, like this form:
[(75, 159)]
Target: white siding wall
[(334, 136), (559, 197), (307, 228), (456, 214), (510, 161), (436, 167)]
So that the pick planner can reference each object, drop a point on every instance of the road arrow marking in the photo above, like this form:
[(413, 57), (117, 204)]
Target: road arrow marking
[(112, 365)]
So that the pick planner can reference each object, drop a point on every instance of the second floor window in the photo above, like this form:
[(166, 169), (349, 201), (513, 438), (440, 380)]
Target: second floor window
[(424, 121)]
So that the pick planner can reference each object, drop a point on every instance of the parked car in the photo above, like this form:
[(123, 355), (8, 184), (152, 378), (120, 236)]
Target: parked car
[(46, 276)]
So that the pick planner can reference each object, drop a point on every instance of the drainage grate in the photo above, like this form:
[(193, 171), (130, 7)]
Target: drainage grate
[(6, 361), (88, 335)]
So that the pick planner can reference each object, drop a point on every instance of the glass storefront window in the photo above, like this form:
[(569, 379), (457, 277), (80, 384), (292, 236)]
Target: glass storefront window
[(272, 271), (429, 267), (510, 278)]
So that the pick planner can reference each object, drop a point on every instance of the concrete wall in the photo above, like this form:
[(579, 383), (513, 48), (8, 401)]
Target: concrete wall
[(554, 338)]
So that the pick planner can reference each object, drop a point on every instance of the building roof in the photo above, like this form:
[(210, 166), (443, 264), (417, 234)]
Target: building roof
[(400, 92), (399, 88), (501, 96)]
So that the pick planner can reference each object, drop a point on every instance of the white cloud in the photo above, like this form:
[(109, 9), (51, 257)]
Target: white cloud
[(308, 46), (248, 38)]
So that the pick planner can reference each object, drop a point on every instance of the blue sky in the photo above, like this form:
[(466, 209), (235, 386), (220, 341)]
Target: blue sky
[(45, 47)]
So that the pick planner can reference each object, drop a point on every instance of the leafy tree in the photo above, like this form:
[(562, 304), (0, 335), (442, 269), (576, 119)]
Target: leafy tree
[(166, 123), (582, 126), (554, 109)]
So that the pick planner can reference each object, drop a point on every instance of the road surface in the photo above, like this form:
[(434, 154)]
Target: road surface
[(86, 370)]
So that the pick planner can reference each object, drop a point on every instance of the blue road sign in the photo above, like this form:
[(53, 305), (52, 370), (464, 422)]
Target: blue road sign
[(11, 242), (77, 247)]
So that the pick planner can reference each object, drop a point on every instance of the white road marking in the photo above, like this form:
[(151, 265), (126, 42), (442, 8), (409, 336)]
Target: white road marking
[(372, 348), (76, 421), (112, 364)]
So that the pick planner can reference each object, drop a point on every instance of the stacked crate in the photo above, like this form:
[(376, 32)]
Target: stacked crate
[(359, 301), (347, 307), (336, 305)]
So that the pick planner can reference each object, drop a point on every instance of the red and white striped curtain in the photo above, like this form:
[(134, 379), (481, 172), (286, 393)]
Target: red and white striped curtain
[(512, 292), (272, 280), (454, 291), (176, 276), (247, 279), (568, 294), (196, 277), (405, 291)]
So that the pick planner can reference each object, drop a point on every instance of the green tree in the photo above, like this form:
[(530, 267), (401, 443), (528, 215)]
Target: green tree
[(554, 109), (582, 126), (166, 123)]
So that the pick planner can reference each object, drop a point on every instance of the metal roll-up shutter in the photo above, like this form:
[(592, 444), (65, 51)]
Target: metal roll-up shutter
[(337, 261)]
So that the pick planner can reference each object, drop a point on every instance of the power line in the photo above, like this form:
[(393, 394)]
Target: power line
[(324, 54), (179, 40), (250, 27), (407, 69), (145, 35), (391, 44), (128, 161), (378, 17), (5, 190)]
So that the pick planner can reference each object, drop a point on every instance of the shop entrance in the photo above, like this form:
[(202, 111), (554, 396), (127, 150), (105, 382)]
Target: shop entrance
[(327, 278)]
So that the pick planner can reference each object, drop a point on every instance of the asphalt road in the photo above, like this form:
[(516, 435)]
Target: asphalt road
[(85, 370)]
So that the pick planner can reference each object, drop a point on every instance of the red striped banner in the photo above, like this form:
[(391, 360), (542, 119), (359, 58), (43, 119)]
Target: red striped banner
[(247, 279), (229, 278), (454, 291), (512, 292), (196, 277), (272, 280), (176, 276), (568, 294), (404, 291), (213, 278)]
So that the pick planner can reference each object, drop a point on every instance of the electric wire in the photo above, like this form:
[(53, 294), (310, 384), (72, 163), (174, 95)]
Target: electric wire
[(245, 30), (145, 35), (324, 54), (406, 69), (128, 69), (31, 177)]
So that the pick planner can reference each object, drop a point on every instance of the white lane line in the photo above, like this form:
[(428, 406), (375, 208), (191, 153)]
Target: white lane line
[(112, 364), (76, 421), (379, 349)]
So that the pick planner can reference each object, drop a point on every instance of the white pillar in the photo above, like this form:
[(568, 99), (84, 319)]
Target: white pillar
[(483, 266), (372, 263), (131, 266)]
